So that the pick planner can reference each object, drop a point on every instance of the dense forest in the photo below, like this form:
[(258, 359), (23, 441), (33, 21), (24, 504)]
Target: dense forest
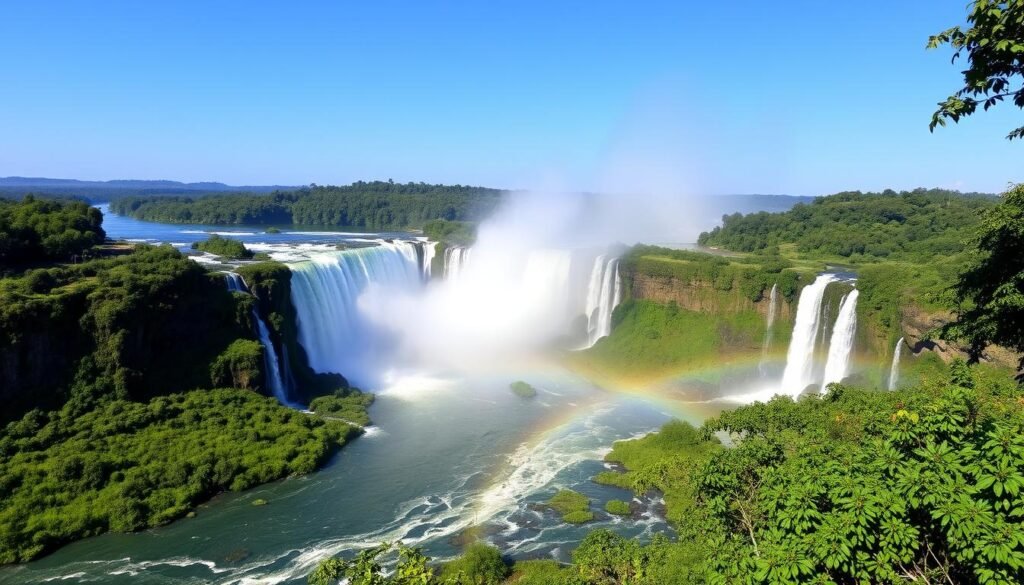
[(910, 225), (125, 465), (376, 205), (33, 230)]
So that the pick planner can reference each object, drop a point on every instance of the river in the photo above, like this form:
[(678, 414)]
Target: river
[(450, 458)]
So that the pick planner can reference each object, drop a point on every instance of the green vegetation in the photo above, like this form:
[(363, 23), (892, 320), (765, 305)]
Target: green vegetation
[(271, 284), (574, 507), (752, 278), (993, 44), (854, 227), (128, 465), (36, 230), (108, 431), (348, 405), (523, 390), (990, 293), (455, 233), (920, 485), (651, 338), (480, 564), (119, 327), (259, 502), (376, 205), (905, 247), (240, 366), (224, 247), (617, 507)]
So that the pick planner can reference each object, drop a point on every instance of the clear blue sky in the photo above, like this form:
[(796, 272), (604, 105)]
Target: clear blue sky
[(739, 97)]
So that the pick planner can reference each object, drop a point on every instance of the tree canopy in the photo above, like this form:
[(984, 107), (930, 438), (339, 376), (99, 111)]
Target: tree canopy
[(909, 225), (993, 45), (33, 230), (990, 294), (375, 205)]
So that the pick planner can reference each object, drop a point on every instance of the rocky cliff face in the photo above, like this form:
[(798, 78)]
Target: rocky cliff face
[(917, 323), (701, 297), (150, 326)]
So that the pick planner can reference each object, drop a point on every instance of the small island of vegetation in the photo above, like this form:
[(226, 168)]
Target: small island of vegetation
[(523, 389), (224, 247), (574, 507)]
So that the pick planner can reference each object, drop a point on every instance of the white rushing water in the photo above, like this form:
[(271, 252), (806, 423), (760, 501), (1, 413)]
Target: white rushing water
[(326, 291), (455, 259), (841, 346), (799, 371), (773, 308), (429, 251), (274, 379), (272, 365), (894, 369), (604, 292)]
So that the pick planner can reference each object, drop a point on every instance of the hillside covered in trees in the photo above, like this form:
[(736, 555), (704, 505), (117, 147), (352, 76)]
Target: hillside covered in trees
[(132, 386), (909, 225), (376, 205)]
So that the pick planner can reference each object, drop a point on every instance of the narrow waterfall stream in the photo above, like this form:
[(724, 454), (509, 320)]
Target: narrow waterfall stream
[(894, 369), (272, 365), (773, 308)]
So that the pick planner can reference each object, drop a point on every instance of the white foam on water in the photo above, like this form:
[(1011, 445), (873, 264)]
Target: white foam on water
[(77, 575), (531, 468)]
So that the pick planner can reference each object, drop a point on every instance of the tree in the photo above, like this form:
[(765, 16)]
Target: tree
[(990, 294), (994, 48)]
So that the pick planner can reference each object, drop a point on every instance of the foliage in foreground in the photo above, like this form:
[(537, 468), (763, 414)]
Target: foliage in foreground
[(924, 485), (994, 48), (128, 465), (990, 293)]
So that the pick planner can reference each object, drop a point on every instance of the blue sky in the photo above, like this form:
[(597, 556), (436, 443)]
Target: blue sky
[(792, 97)]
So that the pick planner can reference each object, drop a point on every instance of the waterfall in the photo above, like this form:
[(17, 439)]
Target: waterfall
[(799, 371), (274, 379), (429, 251), (841, 346), (455, 259), (894, 369), (326, 291), (236, 283), (603, 294), (773, 307)]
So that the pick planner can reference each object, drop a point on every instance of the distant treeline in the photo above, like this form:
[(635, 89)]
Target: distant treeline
[(907, 225), (377, 205)]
